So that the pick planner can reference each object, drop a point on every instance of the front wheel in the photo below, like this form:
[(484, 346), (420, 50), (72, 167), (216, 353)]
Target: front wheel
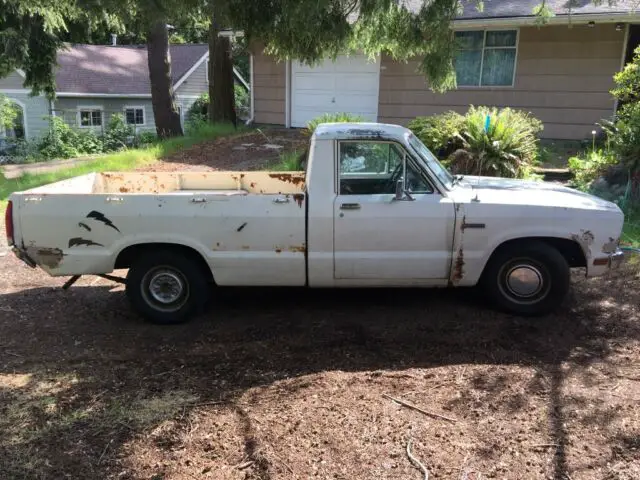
[(167, 287), (528, 279)]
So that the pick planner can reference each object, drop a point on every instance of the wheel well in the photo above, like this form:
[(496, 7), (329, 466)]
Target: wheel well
[(127, 256), (569, 249)]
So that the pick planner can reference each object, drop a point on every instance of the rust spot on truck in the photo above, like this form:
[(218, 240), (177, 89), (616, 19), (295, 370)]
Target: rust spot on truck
[(298, 248), (458, 267), (299, 198), (49, 257), (123, 190), (253, 184), (294, 178), (278, 250), (585, 239)]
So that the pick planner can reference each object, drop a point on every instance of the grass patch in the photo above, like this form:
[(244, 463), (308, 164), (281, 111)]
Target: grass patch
[(288, 162), (121, 161), (631, 229)]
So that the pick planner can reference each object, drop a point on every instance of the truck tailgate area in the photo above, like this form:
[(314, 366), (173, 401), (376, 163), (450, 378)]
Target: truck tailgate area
[(250, 227)]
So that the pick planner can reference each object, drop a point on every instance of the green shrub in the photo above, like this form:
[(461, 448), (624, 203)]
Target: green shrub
[(199, 110), (331, 118), (289, 162), (440, 133), (508, 148), (147, 138), (118, 134), (587, 168)]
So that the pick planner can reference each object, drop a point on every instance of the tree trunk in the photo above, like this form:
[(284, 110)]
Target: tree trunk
[(221, 92), (165, 112)]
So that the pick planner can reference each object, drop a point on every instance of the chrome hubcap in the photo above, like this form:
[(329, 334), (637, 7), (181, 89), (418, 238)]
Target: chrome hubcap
[(166, 287), (524, 281)]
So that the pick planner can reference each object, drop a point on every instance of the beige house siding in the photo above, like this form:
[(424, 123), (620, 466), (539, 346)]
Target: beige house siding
[(195, 84), (269, 88), (563, 77)]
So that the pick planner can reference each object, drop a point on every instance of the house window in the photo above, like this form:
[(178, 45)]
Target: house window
[(90, 117), (486, 58), (134, 115)]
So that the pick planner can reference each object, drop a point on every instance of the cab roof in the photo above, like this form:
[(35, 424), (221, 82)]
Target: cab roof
[(356, 130)]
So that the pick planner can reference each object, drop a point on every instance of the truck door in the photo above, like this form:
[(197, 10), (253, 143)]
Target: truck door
[(377, 235)]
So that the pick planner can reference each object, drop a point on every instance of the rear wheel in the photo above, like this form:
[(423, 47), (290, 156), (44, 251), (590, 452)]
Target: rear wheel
[(167, 287), (527, 279)]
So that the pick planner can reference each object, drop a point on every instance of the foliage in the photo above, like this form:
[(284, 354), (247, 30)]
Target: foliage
[(146, 138), (588, 167), (627, 81), (8, 112), (623, 135), (199, 110), (242, 100), (440, 133), (509, 148), (289, 162), (118, 134), (331, 118)]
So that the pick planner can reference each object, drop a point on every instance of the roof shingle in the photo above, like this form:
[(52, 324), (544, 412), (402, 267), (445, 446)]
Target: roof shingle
[(94, 69)]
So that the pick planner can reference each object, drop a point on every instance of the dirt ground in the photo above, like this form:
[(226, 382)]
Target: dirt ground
[(253, 150), (289, 384)]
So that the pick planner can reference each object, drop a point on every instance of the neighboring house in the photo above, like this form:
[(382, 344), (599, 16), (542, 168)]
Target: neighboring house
[(561, 72), (94, 82)]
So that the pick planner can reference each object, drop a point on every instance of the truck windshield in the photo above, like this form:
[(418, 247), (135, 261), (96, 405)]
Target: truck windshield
[(432, 162)]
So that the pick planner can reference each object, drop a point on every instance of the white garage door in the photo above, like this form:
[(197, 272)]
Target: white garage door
[(350, 84)]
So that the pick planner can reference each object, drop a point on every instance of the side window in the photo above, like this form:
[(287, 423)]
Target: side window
[(370, 168), (414, 182)]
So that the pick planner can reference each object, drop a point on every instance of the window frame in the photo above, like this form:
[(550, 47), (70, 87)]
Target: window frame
[(134, 108), (484, 47), (407, 158), (90, 109)]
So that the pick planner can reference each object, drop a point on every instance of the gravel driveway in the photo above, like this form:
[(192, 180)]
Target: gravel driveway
[(282, 384), (289, 384)]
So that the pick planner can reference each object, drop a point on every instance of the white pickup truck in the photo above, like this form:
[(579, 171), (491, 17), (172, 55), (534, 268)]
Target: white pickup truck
[(372, 208)]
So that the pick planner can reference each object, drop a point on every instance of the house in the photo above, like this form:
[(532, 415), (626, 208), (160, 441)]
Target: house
[(94, 82), (561, 72)]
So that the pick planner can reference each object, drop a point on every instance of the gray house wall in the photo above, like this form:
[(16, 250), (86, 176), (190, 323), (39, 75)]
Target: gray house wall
[(68, 107), (12, 81), (196, 84), (35, 113)]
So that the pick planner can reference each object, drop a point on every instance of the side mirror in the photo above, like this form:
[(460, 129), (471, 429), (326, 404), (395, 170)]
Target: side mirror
[(401, 193)]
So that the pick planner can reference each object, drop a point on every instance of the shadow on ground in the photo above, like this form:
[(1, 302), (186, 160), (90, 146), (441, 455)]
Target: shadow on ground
[(87, 376)]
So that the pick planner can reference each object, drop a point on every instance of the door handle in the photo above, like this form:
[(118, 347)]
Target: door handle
[(281, 200), (350, 206), (198, 200)]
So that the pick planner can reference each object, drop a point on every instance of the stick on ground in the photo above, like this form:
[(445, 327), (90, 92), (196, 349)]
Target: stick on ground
[(418, 409), (417, 462)]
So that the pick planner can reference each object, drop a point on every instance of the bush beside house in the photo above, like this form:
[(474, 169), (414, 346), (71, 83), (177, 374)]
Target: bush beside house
[(485, 141)]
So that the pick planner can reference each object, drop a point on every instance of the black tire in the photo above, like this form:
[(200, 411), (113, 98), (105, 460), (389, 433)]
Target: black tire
[(529, 279), (163, 274)]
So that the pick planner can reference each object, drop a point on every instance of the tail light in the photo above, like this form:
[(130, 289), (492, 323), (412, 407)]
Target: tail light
[(8, 223)]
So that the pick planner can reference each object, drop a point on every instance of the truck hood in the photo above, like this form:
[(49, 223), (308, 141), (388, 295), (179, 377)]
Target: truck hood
[(507, 191)]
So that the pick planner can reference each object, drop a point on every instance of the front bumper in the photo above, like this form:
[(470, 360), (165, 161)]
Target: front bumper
[(616, 259)]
